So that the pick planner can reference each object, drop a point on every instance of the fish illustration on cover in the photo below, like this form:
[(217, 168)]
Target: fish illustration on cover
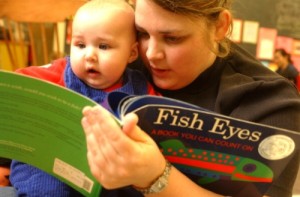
[(213, 166)]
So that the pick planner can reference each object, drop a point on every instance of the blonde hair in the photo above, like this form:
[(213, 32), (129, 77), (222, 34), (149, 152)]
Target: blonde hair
[(207, 9), (96, 3), (94, 6)]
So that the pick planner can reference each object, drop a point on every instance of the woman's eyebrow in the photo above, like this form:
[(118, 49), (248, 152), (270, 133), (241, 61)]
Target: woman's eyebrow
[(167, 31)]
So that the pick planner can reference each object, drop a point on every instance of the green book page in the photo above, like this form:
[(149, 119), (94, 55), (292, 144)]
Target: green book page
[(40, 125)]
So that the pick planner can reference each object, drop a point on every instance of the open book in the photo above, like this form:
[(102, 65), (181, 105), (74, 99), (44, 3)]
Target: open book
[(40, 125)]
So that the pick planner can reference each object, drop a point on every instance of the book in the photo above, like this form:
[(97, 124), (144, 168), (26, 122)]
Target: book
[(217, 151), (40, 125)]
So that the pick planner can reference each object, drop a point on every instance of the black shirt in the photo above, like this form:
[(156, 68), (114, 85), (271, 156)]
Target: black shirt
[(239, 86)]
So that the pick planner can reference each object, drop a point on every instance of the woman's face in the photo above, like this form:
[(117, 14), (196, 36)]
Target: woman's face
[(280, 60), (174, 48)]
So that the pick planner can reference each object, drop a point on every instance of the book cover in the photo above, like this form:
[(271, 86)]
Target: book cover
[(237, 156), (40, 125)]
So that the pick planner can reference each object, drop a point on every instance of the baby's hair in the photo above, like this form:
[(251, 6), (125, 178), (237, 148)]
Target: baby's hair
[(4, 162), (95, 4)]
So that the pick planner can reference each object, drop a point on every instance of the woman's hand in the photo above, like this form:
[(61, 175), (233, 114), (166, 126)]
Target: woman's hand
[(120, 156)]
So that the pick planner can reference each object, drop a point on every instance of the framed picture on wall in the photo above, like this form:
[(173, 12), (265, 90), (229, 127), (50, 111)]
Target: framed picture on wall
[(236, 34), (296, 47), (266, 43), (250, 31), (283, 42)]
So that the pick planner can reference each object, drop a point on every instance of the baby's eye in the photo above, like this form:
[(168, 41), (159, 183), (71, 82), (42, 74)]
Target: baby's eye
[(103, 46), (81, 45)]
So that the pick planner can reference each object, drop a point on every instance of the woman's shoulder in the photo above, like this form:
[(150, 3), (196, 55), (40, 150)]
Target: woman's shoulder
[(241, 61), (243, 71), (247, 70), (250, 91)]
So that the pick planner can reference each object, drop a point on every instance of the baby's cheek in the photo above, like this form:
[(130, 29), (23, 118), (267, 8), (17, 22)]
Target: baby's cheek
[(4, 173)]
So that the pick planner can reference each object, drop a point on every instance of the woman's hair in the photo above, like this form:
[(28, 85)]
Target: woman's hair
[(207, 9), (284, 54)]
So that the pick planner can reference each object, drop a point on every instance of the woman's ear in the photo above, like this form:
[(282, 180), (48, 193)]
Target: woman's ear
[(223, 24), (134, 53)]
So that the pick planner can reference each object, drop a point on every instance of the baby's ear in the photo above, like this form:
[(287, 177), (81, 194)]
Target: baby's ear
[(134, 52), (223, 25)]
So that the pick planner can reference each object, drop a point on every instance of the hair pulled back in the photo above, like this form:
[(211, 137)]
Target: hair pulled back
[(207, 9)]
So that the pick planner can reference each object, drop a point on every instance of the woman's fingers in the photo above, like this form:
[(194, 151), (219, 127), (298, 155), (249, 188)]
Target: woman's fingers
[(117, 157), (110, 138)]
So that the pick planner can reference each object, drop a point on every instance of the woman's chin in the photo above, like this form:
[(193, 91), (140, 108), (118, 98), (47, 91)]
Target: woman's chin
[(164, 84)]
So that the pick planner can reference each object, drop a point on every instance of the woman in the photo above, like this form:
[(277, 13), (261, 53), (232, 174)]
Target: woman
[(285, 65), (184, 46)]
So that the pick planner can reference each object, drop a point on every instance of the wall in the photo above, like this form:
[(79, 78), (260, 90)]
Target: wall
[(20, 54), (283, 15)]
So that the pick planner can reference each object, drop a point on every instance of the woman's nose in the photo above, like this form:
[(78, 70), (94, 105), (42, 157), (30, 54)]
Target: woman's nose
[(154, 50)]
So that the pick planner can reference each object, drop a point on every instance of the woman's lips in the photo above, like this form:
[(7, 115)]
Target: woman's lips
[(159, 72)]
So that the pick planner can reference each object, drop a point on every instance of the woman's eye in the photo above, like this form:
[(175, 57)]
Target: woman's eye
[(173, 39), (103, 46), (142, 35)]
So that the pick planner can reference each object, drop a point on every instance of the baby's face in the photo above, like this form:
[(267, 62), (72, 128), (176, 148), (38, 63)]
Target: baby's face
[(103, 43), (4, 174)]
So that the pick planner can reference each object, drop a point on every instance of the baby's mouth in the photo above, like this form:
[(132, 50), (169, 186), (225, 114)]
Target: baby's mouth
[(92, 71)]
